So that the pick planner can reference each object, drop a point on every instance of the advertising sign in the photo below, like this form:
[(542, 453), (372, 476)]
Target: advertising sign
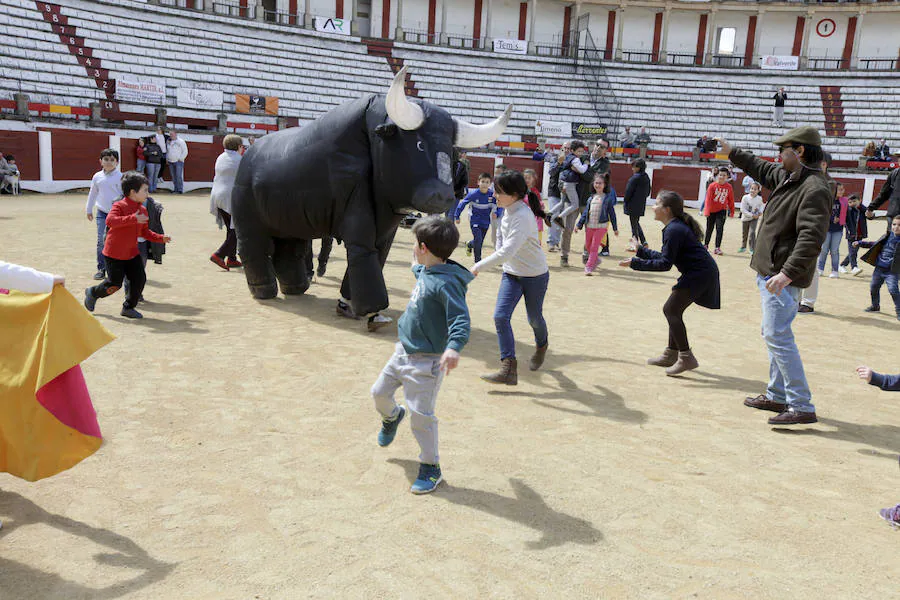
[(511, 46), (556, 129), (144, 90), (779, 63)]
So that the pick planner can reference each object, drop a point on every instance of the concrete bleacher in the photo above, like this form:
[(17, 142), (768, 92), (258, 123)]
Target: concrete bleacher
[(311, 72)]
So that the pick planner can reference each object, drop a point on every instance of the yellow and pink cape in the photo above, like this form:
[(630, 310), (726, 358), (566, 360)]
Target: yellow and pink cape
[(47, 421)]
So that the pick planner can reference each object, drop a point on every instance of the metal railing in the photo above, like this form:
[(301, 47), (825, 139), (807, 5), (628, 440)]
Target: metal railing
[(681, 58), (727, 60), (590, 61), (418, 36), (826, 63), (283, 18), (465, 41), (559, 50), (234, 9), (178, 3), (637, 56), (877, 64)]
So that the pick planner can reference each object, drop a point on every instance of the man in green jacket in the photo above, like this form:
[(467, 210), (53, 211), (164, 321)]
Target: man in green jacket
[(791, 232)]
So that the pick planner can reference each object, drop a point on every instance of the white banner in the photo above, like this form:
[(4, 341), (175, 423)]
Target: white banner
[(554, 129), (145, 90), (194, 98), (779, 63), (511, 46), (332, 25)]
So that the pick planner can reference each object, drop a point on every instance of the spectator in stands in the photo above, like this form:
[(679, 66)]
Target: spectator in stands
[(707, 144), (154, 156), (161, 141), (627, 140), (890, 195), (778, 116), (636, 192), (175, 156), (883, 152), (787, 245), (869, 150), (139, 156), (220, 201), (643, 138)]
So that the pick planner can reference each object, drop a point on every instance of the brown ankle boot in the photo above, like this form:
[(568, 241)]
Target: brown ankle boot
[(507, 374), (668, 358), (537, 359), (685, 362)]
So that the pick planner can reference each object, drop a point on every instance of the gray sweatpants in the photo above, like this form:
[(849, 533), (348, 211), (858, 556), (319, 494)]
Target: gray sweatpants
[(569, 201), (421, 377)]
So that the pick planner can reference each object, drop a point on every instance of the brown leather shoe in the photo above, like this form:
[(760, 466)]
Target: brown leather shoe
[(791, 417), (763, 403), (507, 374), (537, 359)]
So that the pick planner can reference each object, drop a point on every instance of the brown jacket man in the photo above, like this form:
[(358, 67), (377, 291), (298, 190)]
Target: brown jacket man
[(795, 221)]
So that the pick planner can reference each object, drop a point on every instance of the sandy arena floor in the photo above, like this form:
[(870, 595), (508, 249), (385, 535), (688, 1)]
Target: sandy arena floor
[(240, 457)]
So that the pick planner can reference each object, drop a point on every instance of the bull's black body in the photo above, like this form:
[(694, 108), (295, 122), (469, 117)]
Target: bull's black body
[(341, 176)]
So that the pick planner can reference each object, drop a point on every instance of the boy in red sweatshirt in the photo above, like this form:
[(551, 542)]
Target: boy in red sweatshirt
[(719, 202), (126, 221)]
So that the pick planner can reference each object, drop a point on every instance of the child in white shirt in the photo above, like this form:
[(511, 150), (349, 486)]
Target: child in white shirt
[(751, 209)]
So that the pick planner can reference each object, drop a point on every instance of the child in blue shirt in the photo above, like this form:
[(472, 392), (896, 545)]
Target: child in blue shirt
[(884, 255), (481, 205), (433, 330), (888, 383)]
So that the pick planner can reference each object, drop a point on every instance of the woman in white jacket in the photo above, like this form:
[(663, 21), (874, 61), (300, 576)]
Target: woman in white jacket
[(220, 201)]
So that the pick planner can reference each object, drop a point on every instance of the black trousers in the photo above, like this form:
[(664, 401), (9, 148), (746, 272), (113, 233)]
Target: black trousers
[(324, 254), (674, 309), (717, 220), (116, 272), (228, 249), (636, 230)]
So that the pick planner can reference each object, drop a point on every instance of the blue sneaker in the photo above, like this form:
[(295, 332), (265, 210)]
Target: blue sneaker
[(428, 479), (89, 301), (389, 429)]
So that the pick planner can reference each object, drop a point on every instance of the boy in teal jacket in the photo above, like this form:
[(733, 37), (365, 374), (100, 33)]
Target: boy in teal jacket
[(433, 330)]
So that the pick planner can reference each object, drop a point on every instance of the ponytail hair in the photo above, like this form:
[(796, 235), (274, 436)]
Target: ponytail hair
[(513, 183), (674, 202), (534, 202)]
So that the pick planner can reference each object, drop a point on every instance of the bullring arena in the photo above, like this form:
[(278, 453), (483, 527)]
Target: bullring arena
[(239, 456)]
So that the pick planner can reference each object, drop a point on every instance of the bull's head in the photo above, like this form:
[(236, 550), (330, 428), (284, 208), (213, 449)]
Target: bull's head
[(425, 144)]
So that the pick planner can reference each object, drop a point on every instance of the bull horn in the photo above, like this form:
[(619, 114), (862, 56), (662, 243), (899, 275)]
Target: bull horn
[(407, 115), (475, 136)]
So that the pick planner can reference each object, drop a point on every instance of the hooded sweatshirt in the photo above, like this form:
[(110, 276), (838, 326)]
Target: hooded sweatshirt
[(436, 317)]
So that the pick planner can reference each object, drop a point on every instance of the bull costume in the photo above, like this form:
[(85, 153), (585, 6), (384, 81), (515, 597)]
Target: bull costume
[(351, 174)]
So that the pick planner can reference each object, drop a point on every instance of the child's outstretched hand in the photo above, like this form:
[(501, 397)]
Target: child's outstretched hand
[(449, 360), (167, 239), (141, 218), (864, 373), (474, 271), (626, 262), (856, 244), (576, 230), (616, 233)]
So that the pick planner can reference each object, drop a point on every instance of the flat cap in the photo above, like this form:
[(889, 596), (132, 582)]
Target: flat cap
[(800, 135)]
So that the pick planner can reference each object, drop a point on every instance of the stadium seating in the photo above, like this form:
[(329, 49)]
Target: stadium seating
[(311, 73)]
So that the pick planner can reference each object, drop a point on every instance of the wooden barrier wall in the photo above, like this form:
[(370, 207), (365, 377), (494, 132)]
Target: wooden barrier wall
[(24, 146)]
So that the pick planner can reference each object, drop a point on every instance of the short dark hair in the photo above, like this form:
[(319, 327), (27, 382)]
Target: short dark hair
[(132, 182), (438, 233), (503, 168), (110, 152), (813, 155), (575, 145), (641, 164), (9, 157), (512, 183), (486, 176)]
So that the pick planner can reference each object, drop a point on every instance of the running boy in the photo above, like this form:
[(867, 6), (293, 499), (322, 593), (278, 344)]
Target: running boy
[(856, 229), (482, 207), (884, 255), (433, 330), (106, 188), (127, 220)]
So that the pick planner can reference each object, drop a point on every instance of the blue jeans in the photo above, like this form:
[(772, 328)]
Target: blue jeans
[(852, 253), (153, 175), (100, 220), (512, 288), (787, 381), (141, 165), (833, 245), (177, 170), (478, 233), (880, 276), (555, 230)]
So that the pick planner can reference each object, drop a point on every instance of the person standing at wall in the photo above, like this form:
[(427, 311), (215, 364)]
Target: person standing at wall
[(636, 192), (176, 154), (778, 116), (162, 142)]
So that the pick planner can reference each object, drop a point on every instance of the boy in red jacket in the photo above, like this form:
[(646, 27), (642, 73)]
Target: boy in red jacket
[(125, 223), (719, 202)]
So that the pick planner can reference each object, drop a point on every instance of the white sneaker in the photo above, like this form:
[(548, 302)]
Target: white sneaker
[(842, 270), (856, 271), (821, 272), (833, 275)]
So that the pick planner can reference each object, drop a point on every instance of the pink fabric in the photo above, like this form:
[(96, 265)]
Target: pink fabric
[(593, 239), (66, 397), (845, 202)]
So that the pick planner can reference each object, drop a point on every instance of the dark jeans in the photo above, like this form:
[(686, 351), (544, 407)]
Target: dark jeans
[(636, 230), (512, 288), (881, 276), (228, 249), (324, 254), (674, 309), (478, 233), (717, 220), (116, 272), (144, 252), (852, 252)]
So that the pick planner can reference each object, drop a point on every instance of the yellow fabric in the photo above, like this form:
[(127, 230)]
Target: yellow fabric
[(41, 337)]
